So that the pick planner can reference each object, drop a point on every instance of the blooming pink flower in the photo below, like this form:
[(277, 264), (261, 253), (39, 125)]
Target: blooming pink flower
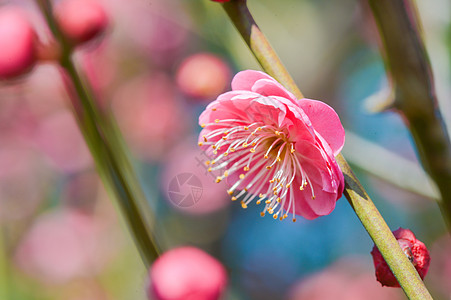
[(81, 20), (414, 249), (279, 149), (17, 43), (187, 273)]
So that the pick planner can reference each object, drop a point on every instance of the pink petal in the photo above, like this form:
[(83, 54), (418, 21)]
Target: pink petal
[(270, 87), (244, 80), (326, 122)]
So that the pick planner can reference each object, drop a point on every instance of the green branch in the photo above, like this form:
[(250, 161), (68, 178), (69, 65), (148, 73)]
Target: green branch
[(408, 64), (368, 214), (107, 148)]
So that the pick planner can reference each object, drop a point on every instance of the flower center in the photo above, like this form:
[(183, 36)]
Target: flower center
[(262, 158)]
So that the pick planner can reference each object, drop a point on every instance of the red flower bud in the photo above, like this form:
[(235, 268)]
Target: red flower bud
[(414, 249), (187, 273), (81, 20), (17, 43)]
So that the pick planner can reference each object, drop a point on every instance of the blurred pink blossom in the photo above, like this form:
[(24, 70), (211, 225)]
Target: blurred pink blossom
[(275, 147), (17, 43), (59, 137), (149, 116), (203, 76), (63, 245), (414, 249), (348, 279), (81, 20), (187, 273)]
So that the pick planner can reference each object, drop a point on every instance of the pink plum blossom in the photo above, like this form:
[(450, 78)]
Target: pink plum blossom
[(17, 43), (279, 149), (81, 20), (187, 273), (414, 249)]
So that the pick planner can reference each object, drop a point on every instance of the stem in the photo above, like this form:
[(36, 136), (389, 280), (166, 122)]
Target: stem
[(368, 214), (107, 148), (415, 100)]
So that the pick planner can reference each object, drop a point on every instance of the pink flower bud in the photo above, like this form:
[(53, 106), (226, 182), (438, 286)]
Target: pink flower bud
[(203, 76), (17, 43), (81, 20), (414, 249), (186, 273)]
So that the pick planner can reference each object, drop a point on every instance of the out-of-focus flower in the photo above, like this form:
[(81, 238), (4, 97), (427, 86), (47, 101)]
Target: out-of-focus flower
[(414, 249), (60, 139), (275, 147), (63, 245), (187, 184), (17, 43), (348, 279), (220, 0), (187, 273), (440, 271), (203, 76), (149, 115), (81, 20)]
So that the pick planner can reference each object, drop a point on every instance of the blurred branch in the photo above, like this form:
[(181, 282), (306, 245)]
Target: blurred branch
[(388, 166), (107, 148), (368, 214), (415, 99)]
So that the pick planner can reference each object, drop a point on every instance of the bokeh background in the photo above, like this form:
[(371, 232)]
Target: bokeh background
[(160, 63)]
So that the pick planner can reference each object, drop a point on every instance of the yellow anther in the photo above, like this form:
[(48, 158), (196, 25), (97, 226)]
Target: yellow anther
[(243, 205), (277, 132), (215, 152), (262, 214), (226, 153), (226, 173), (233, 198), (241, 176), (213, 109), (292, 150), (246, 128), (275, 216), (287, 186), (213, 146), (270, 211), (268, 201), (246, 168), (209, 169), (313, 197), (301, 187), (261, 196), (259, 128), (207, 162), (203, 125), (230, 193), (213, 162), (245, 189), (224, 137), (274, 188), (232, 149), (281, 218), (268, 167), (278, 199), (266, 156), (285, 216), (205, 138), (200, 143), (245, 145), (254, 143), (279, 159), (294, 220), (252, 150), (258, 202), (218, 179), (217, 121)]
